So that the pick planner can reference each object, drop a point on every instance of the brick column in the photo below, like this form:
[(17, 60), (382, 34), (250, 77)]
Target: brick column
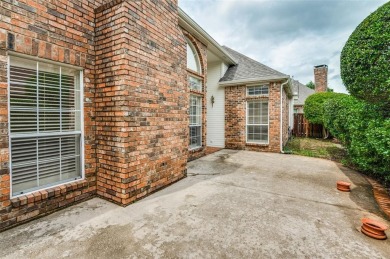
[(235, 117), (141, 99)]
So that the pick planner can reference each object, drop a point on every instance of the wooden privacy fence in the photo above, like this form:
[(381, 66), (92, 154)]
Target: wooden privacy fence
[(302, 127)]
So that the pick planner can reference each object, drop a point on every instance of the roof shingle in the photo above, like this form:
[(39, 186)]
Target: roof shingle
[(248, 68)]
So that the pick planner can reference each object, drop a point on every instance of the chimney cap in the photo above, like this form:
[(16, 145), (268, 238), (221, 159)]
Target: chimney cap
[(320, 66)]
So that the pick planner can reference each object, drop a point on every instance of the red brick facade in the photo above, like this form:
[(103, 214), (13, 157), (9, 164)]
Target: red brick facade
[(135, 116), (136, 97), (60, 31), (235, 118), (141, 115)]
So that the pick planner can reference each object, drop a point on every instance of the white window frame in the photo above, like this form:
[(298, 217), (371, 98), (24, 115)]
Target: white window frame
[(196, 78), (81, 132), (200, 125), (261, 86), (246, 123), (196, 57)]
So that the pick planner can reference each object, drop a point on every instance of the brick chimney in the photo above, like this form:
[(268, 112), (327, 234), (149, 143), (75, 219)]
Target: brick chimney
[(321, 78)]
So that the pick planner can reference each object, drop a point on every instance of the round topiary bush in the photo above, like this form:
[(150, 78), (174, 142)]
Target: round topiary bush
[(365, 59)]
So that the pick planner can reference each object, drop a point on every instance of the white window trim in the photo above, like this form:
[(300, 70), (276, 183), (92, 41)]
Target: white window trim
[(197, 58), (82, 162), (199, 125), (246, 123), (196, 77), (201, 139), (257, 95)]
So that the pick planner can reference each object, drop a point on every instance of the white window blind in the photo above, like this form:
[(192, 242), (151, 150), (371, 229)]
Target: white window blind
[(45, 124), (195, 121), (257, 122)]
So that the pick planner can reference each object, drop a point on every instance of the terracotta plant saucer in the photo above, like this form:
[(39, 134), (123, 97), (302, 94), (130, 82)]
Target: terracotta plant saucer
[(343, 186), (374, 229), (375, 236)]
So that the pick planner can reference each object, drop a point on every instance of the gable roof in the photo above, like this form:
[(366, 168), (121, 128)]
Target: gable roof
[(194, 29), (247, 69), (303, 92)]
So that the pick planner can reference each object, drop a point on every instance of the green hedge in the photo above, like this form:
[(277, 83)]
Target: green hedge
[(363, 130), (314, 106), (365, 59), (361, 121)]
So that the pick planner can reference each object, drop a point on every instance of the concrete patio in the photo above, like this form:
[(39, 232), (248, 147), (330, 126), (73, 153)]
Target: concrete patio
[(233, 204)]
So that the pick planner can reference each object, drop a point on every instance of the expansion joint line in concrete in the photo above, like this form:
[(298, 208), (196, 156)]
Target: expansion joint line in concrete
[(288, 196)]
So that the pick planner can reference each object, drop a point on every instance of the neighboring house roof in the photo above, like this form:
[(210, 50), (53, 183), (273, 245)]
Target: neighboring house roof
[(303, 92), (247, 69)]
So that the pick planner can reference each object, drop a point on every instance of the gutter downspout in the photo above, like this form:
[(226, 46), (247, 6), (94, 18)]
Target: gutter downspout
[(281, 115)]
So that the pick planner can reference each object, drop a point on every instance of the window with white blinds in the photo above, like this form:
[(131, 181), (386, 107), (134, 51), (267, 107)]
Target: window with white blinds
[(257, 122), (195, 140), (45, 124)]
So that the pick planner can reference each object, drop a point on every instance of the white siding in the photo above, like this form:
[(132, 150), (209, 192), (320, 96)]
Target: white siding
[(216, 112)]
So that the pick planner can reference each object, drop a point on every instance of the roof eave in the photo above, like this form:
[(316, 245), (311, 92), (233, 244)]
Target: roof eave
[(192, 27), (253, 80)]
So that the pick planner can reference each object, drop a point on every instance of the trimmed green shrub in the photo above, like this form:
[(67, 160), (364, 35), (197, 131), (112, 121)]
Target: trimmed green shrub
[(314, 106), (337, 110), (363, 130), (378, 135), (365, 59)]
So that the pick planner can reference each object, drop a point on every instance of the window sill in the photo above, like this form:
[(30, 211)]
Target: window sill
[(195, 149), (51, 192), (197, 92), (257, 144)]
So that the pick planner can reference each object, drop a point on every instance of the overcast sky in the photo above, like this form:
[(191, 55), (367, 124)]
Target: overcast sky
[(291, 36)]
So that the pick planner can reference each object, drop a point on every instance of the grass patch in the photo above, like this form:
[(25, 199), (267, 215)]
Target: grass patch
[(320, 148)]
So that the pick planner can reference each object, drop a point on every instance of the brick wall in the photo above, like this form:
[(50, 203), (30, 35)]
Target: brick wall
[(135, 95), (141, 98), (60, 31), (235, 118), (235, 101), (201, 50)]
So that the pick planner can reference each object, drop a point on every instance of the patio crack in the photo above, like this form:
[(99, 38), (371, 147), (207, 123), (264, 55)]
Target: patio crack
[(290, 196), (195, 174)]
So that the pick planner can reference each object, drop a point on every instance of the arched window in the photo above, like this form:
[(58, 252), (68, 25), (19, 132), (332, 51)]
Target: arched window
[(196, 98), (192, 58)]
